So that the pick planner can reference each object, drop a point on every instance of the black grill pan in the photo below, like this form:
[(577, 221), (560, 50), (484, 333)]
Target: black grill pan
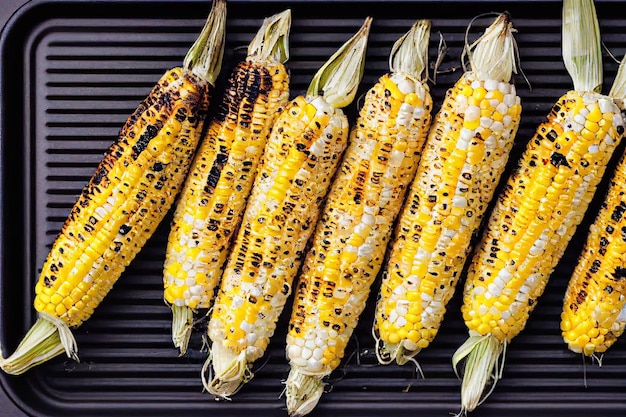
[(72, 71)]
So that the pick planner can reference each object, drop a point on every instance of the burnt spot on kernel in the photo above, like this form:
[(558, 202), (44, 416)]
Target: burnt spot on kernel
[(558, 159), (619, 273), (142, 143), (618, 212)]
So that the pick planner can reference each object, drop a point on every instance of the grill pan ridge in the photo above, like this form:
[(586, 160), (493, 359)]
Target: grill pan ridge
[(72, 71)]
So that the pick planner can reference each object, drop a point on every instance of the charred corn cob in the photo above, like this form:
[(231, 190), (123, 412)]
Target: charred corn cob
[(539, 208), (124, 201), (350, 238), (464, 157), (301, 156), (215, 192), (594, 306)]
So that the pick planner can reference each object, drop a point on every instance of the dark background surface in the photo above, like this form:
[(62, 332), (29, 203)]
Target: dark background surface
[(73, 71), (7, 7)]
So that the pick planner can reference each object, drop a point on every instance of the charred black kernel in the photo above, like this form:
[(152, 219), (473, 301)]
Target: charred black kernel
[(142, 143), (551, 135), (608, 289), (213, 178), (619, 273), (618, 212), (101, 173), (164, 100), (558, 159), (118, 246), (221, 158), (595, 266), (213, 225), (181, 114), (336, 327)]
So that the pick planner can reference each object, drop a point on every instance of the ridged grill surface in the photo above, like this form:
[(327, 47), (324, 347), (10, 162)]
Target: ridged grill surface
[(78, 69)]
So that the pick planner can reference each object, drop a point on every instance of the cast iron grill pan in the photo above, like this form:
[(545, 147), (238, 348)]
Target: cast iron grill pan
[(72, 73)]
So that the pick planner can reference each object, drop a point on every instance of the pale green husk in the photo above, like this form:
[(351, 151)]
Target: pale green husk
[(339, 78), (224, 372), (47, 338), (182, 326), (409, 54), (493, 56), (204, 58), (271, 42), (582, 52), (618, 89), (483, 367), (302, 392)]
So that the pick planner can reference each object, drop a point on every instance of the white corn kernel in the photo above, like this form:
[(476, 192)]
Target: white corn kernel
[(491, 85)]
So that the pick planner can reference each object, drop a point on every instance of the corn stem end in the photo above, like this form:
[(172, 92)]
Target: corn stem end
[(47, 338)]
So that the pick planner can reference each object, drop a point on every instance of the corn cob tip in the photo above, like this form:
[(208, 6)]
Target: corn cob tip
[(225, 372), (387, 353), (484, 363), (339, 78), (302, 392), (204, 58), (47, 338), (493, 56), (271, 42), (182, 325), (582, 51), (409, 54)]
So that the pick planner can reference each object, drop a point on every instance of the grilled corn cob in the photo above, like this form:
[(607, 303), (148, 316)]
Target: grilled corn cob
[(350, 239), (124, 201), (465, 154), (214, 195), (301, 156), (594, 306), (539, 208)]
